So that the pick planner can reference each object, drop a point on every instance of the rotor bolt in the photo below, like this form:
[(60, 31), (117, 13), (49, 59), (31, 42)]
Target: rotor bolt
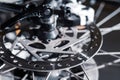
[(47, 12)]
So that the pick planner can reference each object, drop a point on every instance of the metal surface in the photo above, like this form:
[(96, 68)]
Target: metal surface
[(77, 58), (67, 51), (54, 75), (71, 44)]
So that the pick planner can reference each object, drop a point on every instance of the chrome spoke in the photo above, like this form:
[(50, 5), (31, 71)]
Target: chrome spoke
[(108, 17), (25, 77), (9, 69), (99, 10)]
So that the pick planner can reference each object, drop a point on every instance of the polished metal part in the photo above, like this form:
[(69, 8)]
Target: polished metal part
[(47, 54), (80, 52), (56, 75)]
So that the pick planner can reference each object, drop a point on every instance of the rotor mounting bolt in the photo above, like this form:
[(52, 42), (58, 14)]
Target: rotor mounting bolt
[(47, 12)]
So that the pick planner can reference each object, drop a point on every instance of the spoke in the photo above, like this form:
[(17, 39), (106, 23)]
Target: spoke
[(98, 12), (3, 65), (108, 53), (85, 72), (108, 17), (108, 30), (101, 66), (10, 76), (25, 77), (97, 68), (33, 76), (6, 70), (73, 74), (47, 78), (113, 28), (104, 31), (113, 54)]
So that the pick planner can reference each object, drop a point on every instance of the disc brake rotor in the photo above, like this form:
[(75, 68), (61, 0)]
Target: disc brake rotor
[(75, 73), (71, 49)]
